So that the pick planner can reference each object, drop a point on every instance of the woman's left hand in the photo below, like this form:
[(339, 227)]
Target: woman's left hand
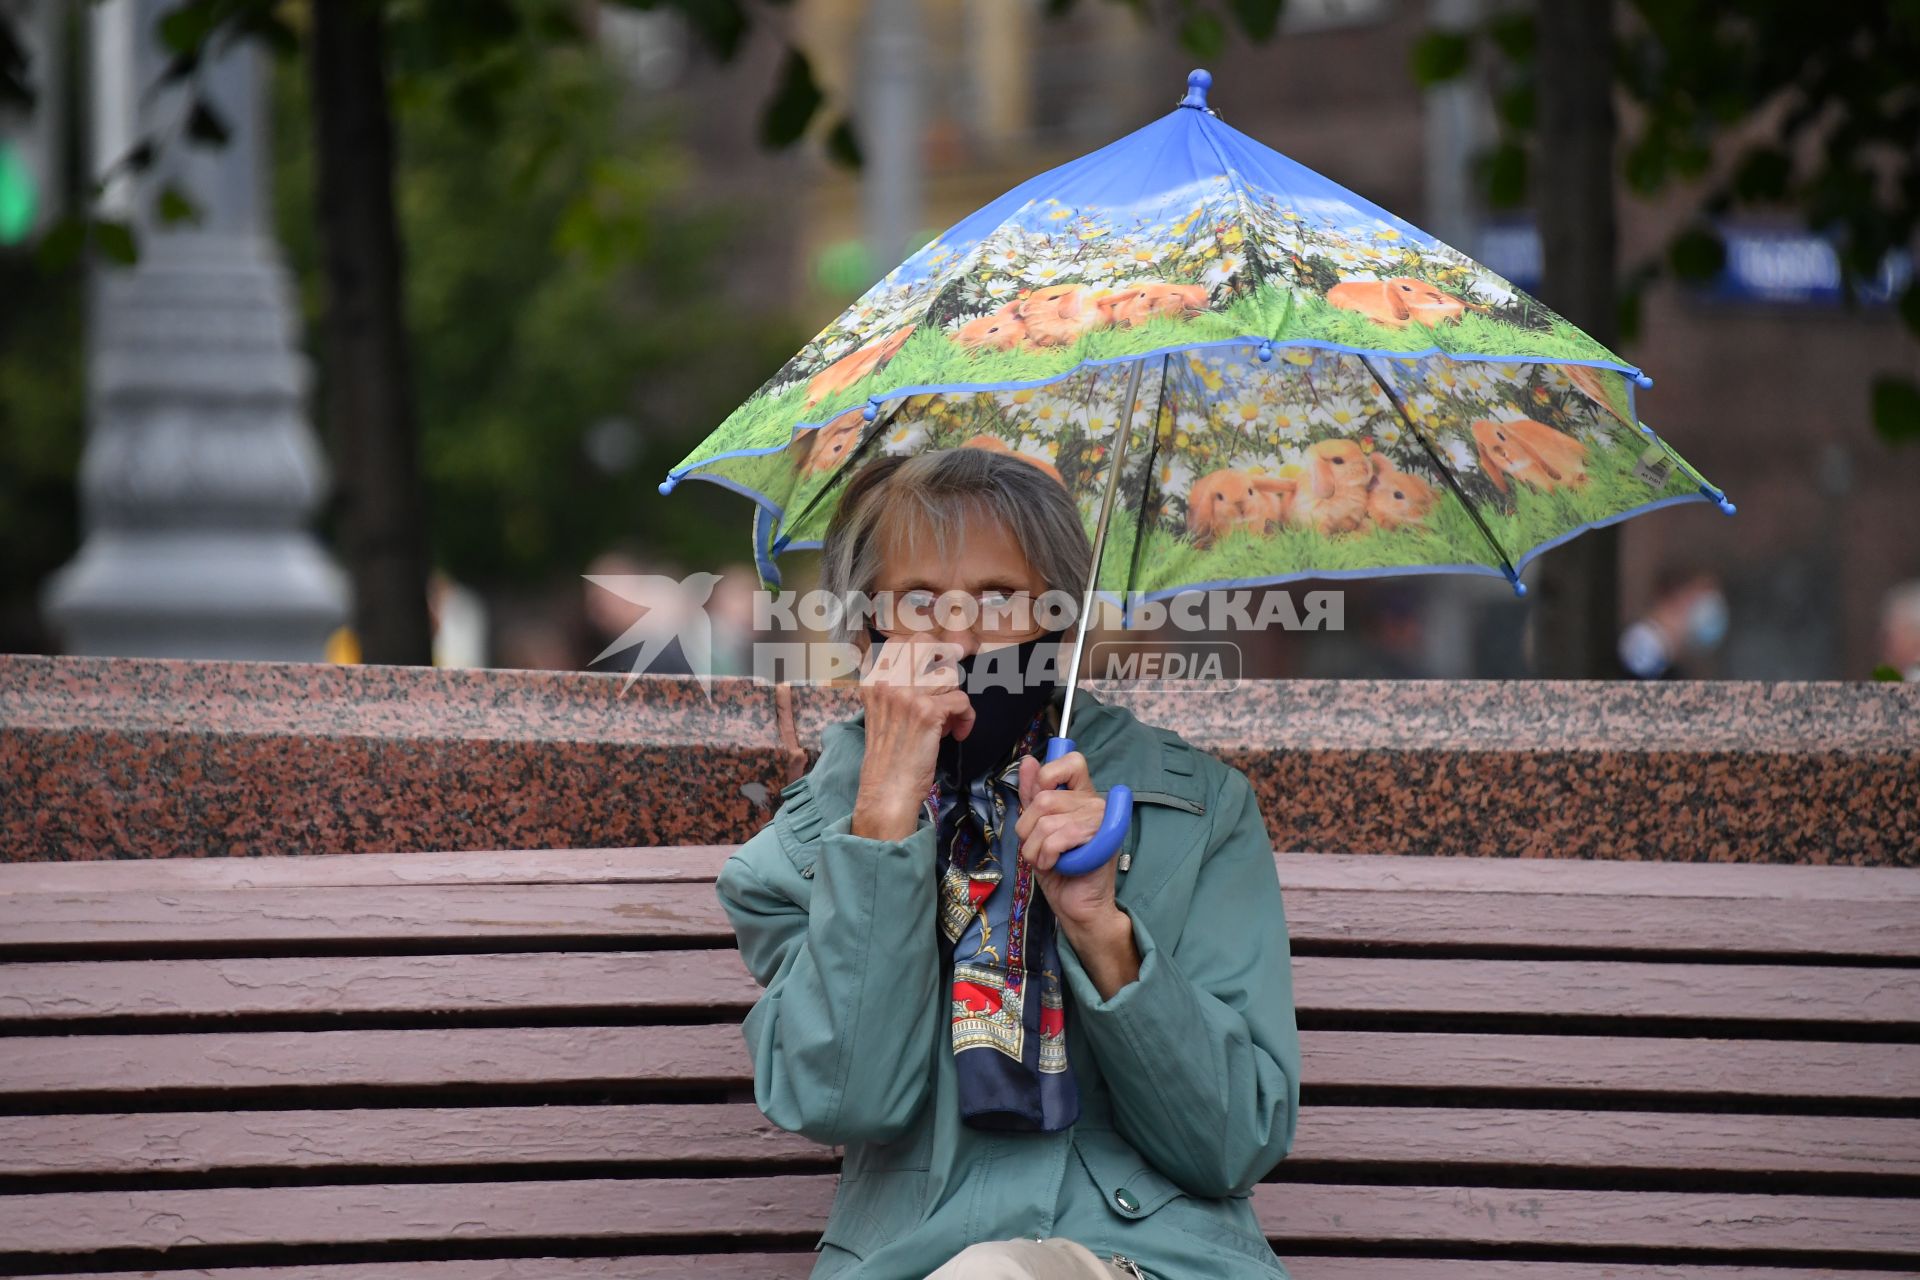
[(1053, 822)]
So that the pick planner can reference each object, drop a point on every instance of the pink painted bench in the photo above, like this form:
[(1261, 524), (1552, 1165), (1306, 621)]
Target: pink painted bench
[(483, 1066)]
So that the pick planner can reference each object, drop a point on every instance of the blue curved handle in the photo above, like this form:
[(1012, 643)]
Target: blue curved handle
[(1113, 826)]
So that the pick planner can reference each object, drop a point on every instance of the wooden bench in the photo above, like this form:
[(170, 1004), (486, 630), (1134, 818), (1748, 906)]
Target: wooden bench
[(529, 1065)]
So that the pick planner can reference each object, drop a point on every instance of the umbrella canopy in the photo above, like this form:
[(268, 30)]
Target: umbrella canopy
[(1318, 388)]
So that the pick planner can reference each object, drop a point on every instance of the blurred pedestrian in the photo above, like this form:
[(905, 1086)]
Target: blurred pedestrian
[(1900, 629), (1687, 622)]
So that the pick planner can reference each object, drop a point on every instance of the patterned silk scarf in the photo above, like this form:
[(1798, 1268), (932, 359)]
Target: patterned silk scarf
[(999, 945)]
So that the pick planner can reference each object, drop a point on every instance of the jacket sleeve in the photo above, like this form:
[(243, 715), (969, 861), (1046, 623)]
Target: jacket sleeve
[(1202, 1050), (842, 1037)]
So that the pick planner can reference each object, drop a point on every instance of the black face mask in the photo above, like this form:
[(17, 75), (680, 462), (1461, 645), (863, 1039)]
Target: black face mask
[(1004, 701)]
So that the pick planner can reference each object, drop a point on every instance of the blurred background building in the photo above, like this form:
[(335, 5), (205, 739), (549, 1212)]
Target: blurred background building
[(600, 275)]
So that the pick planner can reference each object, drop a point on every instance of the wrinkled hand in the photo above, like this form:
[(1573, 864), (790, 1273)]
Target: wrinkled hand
[(1053, 822), (913, 698)]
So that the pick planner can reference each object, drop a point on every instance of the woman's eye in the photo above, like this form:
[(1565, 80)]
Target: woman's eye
[(994, 598)]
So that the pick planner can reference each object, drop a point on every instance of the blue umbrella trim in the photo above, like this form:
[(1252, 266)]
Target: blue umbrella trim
[(1633, 376)]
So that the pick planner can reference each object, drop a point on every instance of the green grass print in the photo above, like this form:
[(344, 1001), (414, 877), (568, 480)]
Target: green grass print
[(1472, 335), (1450, 535), (932, 358)]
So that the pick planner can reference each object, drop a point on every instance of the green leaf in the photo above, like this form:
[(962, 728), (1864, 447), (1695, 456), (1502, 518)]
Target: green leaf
[(1887, 673), (1629, 301), (1513, 35), (1896, 410), (205, 126), (720, 24), (1646, 164), (1504, 172), (1690, 159), (1516, 107), (1203, 35), (1697, 254), (271, 29), (787, 114), (843, 145), (1439, 56), (1258, 18), (174, 206), (186, 28), (115, 241), (60, 247), (1763, 174)]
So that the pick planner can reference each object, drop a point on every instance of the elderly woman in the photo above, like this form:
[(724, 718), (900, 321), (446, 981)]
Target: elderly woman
[(1033, 1075)]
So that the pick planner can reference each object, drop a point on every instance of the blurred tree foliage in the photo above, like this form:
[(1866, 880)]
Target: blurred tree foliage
[(560, 292), (524, 339), (1757, 104), (41, 408)]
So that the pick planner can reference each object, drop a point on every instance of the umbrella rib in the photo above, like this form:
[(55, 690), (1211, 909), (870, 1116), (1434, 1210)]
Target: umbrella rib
[(1121, 432), (1146, 487), (880, 423), (1453, 483)]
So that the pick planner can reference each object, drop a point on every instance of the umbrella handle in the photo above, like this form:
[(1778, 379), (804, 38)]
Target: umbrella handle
[(1113, 827)]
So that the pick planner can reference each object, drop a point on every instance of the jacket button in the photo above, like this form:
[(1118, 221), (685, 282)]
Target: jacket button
[(1124, 1198)]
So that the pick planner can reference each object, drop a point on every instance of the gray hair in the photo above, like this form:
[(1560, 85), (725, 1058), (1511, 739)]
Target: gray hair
[(939, 492)]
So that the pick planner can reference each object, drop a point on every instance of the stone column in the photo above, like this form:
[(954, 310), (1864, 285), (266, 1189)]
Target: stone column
[(200, 472)]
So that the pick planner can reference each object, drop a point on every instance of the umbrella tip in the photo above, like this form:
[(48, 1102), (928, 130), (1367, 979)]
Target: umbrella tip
[(1642, 381), (1199, 80), (1519, 587), (666, 486)]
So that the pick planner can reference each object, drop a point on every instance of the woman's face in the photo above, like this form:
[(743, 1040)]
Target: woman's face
[(984, 595)]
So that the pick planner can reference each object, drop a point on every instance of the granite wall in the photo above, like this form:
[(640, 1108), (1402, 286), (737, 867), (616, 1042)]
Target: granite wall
[(138, 758)]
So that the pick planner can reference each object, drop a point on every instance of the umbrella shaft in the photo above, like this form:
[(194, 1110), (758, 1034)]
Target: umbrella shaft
[(1121, 432)]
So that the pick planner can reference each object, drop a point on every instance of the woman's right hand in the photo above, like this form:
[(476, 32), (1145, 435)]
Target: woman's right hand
[(913, 698)]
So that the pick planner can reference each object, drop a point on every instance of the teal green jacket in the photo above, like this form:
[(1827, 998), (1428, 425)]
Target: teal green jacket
[(1189, 1077)]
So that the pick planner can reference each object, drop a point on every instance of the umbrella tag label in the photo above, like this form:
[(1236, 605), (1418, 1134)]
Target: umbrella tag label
[(1654, 468)]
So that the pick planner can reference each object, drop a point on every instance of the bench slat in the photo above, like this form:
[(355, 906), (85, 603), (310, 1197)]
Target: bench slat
[(362, 914), (1530, 1064), (1632, 1141), (1326, 1268), (588, 1209), (296, 1060), (716, 979), (669, 863), (661, 864), (666, 1266), (1491, 1216), (518, 982), (423, 1137), (552, 915), (398, 1137), (794, 1206), (796, 1266)]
